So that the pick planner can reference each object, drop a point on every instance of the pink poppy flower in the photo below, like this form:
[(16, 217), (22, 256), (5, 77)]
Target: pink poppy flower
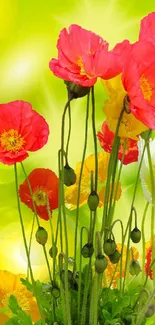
[(83, 56)]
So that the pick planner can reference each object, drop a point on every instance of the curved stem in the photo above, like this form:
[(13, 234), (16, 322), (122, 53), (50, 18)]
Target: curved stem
[(26, 247), (143, 240), (80, 179), (37, 219), (30, 242)]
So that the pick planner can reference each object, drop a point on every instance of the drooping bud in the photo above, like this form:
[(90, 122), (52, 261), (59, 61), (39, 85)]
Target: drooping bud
[(109, 246), (115, 257), (76, 91), (135, 235), (100, 263), (70, 278), (53, 251), (134, 268), (41, 236), (55, 292), (93, 201), (87, 250), (150, 311), (69, 175)]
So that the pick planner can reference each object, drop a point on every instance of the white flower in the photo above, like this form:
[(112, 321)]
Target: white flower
[(145, 170)]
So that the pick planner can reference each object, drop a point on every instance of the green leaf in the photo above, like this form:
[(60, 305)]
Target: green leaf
[(24, 319), (27, 284), (3, 310), (12, 321), (125, 301), (13, 305), (106, 314)]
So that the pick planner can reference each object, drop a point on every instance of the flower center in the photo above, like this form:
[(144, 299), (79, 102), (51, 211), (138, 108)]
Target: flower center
[(40, 197), (146, 88), (11, 140), (82, 70), (22, 302)]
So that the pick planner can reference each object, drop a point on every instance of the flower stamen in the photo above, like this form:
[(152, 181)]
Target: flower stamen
[(12, 141)]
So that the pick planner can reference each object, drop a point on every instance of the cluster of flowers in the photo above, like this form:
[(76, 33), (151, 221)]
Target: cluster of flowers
[(127, 73)]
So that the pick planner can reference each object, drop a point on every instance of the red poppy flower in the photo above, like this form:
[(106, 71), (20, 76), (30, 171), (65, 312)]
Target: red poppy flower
[(83, 56), (148, 263), (106, 138), (147, 28), (44, 184), (138, 78), (21, 130)]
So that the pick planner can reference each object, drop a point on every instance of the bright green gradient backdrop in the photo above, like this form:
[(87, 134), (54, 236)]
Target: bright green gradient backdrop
[(28, 36)]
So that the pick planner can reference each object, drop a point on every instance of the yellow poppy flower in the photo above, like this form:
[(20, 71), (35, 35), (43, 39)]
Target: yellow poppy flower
[(130, 127), (111, 267), (10, 284), (89, 165)]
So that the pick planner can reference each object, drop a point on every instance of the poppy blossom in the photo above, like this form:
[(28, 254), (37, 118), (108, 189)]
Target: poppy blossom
[(21, 130), (71, 192), (138, 78), (130, 126), (147, 28), (148, 258), (10, 284), (106, 138), (83, 56), (44, 184)]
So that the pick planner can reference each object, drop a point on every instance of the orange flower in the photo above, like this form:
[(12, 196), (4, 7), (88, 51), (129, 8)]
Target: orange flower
[(111, 267), (89, 165), (10, 284)]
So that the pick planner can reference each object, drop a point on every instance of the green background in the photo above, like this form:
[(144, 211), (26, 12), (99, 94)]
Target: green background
[(28, 35)]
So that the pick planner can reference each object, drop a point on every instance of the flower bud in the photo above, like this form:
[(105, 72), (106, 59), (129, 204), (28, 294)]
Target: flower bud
[(115, 257), (76, 91), (100, 263), (69, 175), (93, 201), (87, 250), (109, 247), (55, 292), (135, 235), (134, 268), (53, 251), (41, 236), (70, 278), (150, 311)]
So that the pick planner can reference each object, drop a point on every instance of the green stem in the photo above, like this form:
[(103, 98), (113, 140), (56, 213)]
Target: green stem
[(69, 131), (110, 171), (121, 258), (30, 242), (117, 182), (37, 219), (127, 251), (26, 247), (67, 300), (79, 184), (95, 139), (80, 275), (143, 240), (52, 236)]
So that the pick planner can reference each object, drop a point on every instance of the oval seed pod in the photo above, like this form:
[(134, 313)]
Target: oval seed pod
[(150, 311), (70, 278), (41, 236), (115, 257), (100, 263), (53, 251), (134, 268), (87, 250), (109, 247), (55, 292), (69, 175), (93, 201), (135, 235)]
